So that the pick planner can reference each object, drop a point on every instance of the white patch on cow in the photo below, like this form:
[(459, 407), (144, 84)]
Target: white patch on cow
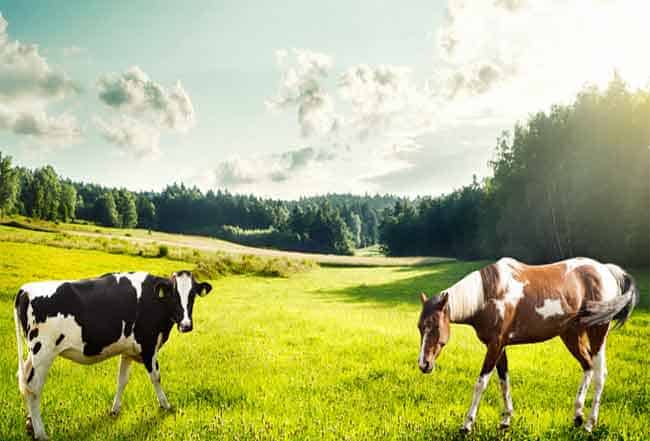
[(466, 297), (550, 308), (42, 289), (511, 335), (184, 286), (72, 346), (136, 280), (421, 362)]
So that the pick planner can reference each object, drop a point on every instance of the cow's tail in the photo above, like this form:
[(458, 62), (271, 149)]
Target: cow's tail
[(619, 308), (19, 344)]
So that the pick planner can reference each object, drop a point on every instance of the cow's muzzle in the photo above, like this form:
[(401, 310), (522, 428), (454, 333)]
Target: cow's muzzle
[(185, 326)]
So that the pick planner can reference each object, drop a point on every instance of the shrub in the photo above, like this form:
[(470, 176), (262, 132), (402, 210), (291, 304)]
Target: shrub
[(163, 251)]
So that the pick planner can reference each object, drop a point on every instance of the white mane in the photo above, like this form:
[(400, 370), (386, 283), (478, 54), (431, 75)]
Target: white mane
[(466, 297)]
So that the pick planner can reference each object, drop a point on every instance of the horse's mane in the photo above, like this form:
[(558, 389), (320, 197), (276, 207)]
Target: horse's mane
[(466, 297)]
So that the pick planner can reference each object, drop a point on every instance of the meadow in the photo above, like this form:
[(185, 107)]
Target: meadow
[(328, 353)]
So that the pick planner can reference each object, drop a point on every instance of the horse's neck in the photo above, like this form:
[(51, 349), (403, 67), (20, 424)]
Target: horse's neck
[(466, 298)]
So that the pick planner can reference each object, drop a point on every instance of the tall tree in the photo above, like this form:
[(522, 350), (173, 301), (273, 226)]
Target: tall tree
[(68, 204), (8, 185), (106, 210)]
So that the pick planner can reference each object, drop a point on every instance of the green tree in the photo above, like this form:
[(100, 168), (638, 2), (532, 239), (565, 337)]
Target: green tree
[(146, 212), (8, 185), (68, 204), (46, 194), (106, 210), (126, 209)]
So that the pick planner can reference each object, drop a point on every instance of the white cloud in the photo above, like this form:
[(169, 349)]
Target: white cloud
[(301, 86), (144, 108), (134, 93), (132, 136), (283, 167), (385, 99), (27, 86)]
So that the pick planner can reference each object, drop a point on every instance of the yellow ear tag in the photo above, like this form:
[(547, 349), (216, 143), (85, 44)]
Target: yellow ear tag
[(161, 293)]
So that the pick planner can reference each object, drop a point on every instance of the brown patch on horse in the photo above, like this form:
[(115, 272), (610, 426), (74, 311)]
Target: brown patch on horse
[(491, 281), (592, 284)]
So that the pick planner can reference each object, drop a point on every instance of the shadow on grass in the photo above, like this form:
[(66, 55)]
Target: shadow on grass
[(434, 279), (430, 280)]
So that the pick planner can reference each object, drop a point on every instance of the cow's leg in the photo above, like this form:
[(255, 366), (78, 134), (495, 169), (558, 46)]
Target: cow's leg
[(494, 351), (122, 379), (577, 343), (598, 338), (504, 379), (39, 363), (154, 374)]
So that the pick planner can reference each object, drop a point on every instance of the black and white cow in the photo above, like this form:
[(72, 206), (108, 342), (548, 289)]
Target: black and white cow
[(87, 321)]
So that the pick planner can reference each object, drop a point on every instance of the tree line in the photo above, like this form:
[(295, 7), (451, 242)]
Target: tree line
[(573, 181), (336, 223)]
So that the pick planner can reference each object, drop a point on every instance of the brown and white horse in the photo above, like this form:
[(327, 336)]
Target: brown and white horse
[(509, 303)]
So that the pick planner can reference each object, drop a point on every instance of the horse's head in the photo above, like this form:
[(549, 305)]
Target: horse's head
[(434, 330)]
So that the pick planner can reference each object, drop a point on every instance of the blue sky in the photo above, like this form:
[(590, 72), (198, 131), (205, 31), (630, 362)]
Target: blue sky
[(365, 96)]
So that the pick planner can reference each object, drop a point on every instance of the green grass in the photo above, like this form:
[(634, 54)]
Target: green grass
[(327, 354)]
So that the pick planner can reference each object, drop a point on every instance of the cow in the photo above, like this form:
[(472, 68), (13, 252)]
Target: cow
[(88, 321)]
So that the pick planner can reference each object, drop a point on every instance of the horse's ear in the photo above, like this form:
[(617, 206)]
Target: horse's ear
[(423, 298), (444, 298)]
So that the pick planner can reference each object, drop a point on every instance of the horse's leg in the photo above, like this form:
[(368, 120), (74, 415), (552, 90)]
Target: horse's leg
[(598, 338), (504, 379), (493, 353), (577, 343)]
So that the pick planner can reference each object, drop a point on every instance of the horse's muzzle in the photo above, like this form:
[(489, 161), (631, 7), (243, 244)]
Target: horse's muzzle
[(426, 368)]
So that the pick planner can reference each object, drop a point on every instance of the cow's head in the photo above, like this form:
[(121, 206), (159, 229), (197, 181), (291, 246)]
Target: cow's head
[(178, 294)]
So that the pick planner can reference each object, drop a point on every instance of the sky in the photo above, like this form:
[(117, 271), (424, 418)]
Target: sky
[(294, 98)]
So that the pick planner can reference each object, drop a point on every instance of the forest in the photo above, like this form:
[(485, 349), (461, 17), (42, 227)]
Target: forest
[(571, 181), (335, 223)]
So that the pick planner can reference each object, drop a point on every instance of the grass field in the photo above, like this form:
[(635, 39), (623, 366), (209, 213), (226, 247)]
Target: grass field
[(326, 354)]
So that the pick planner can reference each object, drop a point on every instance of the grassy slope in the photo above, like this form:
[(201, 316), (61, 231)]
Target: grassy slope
[(143, 238), (329, 354)]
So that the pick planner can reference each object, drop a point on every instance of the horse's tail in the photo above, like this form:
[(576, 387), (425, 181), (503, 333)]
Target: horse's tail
[(19, 345), (619, 308)]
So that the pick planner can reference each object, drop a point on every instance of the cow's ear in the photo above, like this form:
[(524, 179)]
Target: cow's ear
[(204, 289), (162, 289), (423, 298)]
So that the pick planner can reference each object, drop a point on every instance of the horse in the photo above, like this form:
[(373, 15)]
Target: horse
[(509, 302)]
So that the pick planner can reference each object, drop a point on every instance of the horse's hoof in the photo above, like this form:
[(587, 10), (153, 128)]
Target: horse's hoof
[(465, 430), (577, 421), (588, 427), (504, 426), (114, 413)]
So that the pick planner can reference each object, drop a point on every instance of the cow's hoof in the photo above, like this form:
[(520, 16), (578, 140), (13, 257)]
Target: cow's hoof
[(504, 426), (114, 413), (29, 427), (589, 427), (465, 429), (577, 421)]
